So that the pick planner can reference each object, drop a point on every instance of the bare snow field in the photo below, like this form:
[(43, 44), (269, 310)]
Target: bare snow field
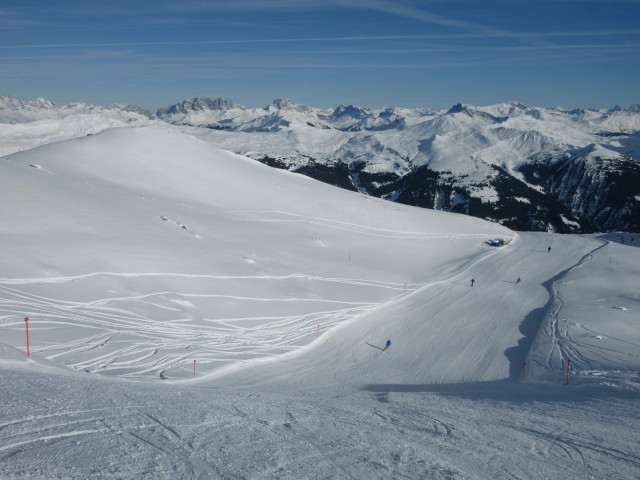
[(195, 314)]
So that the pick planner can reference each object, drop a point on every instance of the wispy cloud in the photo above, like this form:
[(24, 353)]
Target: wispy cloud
[(123, 9), (409, 11), (373, 38)]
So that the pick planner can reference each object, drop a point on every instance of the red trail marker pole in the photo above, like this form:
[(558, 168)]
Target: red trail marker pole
[(568, 370), (194, 369), (26, 323)]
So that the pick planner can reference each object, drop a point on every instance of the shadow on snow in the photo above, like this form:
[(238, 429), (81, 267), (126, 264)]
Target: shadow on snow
[(509, 391), (534, 320)]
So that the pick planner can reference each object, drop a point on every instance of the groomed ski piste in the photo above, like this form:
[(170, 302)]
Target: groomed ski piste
[(195, 314)]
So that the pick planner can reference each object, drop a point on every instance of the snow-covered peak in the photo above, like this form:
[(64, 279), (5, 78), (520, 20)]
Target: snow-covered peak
[(351, 111), (198, 104), (352, 118), (14, 111), (17, 111), (40, 103), (286, 104), (129, 108), (8, 103)]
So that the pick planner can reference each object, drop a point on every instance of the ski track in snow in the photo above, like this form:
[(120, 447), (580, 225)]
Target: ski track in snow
[(73, 278), (195, 432), (557, 327), (287, 217), (159, 346)]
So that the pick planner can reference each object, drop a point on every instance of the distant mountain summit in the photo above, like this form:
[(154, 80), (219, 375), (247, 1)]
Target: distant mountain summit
[(17, 111), (285, 104), (8, 103), (198, 105)]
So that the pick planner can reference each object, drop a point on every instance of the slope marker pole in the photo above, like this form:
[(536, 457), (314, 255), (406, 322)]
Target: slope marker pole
[(568, 370), (26, 323), (194, 369), (524, 371)]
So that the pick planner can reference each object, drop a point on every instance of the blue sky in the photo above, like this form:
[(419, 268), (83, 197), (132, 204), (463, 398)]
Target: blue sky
[(323, 53)]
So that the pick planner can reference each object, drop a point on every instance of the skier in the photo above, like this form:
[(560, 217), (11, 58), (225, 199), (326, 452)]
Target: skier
[(548, 249), (472, 282), (386, 347), (518, 281)]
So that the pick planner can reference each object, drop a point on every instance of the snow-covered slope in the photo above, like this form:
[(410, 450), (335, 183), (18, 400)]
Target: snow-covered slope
[(143, 255), (178, 236), (143, 233), (448, 332)]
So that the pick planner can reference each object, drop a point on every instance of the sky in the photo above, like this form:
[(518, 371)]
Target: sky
[(323, 53)]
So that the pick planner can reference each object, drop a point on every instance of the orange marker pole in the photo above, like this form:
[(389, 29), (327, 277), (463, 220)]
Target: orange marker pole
[(26, 323)]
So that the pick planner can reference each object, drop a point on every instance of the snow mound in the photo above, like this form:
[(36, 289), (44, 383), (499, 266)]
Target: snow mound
[(141, 249)]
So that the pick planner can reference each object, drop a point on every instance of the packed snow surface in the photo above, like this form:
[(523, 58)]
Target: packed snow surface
[(144, 257)]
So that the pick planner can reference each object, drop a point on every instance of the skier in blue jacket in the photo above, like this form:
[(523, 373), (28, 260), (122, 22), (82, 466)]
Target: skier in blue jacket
[(386, 347)]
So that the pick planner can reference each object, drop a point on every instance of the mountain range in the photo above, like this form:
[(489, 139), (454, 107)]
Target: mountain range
[(527, 168)]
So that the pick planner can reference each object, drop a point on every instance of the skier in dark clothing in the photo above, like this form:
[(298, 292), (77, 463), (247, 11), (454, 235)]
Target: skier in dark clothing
[(548, 249), (518, 281), (472, 282)]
